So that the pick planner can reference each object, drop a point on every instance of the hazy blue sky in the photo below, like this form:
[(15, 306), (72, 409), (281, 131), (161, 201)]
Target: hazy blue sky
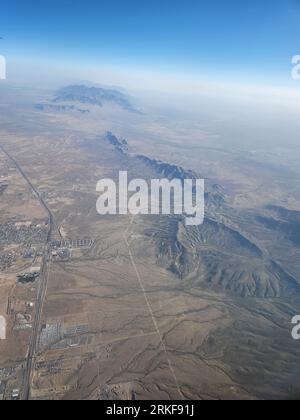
[(234, 39)]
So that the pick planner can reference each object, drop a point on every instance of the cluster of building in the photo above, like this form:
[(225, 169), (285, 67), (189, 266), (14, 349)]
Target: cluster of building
[(7, 259), (73, 244), (56, 336), (62, 253), (23, 233), (6, 392), (25, 239), (63, 249)]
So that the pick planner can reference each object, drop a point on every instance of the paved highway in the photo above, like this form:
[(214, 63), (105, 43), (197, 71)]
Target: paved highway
[(42, 288)]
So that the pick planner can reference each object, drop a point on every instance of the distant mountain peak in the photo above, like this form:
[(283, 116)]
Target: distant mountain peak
[(94, 96)]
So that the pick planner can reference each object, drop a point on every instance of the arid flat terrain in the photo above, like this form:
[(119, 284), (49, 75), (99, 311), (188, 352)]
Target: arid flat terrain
[(122, 307)]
